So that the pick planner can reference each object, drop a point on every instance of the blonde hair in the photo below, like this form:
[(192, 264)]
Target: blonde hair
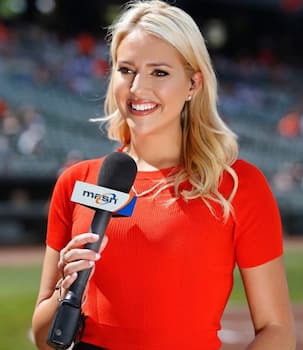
[(209, 146)]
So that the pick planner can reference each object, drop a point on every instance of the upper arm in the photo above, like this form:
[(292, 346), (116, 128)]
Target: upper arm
[(50, 274), (267, 294)]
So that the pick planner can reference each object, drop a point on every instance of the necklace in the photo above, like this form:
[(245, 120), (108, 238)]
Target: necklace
[(149, 190)]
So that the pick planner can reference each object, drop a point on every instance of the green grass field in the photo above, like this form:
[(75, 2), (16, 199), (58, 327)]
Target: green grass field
[(20, 285), (293, 258), (17, 298)]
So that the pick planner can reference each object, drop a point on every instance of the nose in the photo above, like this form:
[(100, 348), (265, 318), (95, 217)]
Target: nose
[(140, 84)]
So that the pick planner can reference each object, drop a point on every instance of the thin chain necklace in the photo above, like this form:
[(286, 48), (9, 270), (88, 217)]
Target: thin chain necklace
[(149, 190)]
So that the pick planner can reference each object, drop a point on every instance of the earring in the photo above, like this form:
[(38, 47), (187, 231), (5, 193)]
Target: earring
[(188, 98)]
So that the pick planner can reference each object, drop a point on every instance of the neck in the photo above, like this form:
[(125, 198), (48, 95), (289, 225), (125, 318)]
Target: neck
[(153, 155)]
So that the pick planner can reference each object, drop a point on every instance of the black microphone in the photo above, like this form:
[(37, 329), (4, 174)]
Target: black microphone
[(118, 173)]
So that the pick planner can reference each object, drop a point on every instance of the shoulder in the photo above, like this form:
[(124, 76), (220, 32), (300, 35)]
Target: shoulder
[(253, 187), (245, 169), (258, 229), (250, 177), (85, 170), (246, 178), (82, 169)]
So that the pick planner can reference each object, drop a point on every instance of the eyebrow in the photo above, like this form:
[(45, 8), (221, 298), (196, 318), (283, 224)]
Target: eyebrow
[(151, 64)]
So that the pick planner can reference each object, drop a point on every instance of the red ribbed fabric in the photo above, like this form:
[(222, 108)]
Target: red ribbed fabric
[(165, 277)]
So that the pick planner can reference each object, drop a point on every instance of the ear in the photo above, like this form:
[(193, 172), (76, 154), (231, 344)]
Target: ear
[(196, 81)]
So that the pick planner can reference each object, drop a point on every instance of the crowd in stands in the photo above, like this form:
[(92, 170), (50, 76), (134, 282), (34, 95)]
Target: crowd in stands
[(268, 100), (41, 58), (261, 99), (22, 132)]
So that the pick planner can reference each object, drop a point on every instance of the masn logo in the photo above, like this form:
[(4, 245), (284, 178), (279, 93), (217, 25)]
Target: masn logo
[(101, 198)]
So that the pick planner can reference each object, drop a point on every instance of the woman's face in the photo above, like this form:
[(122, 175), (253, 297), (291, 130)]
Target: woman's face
[(150, 84)]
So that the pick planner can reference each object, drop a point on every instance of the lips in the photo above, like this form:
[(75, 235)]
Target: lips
[(142, 108)]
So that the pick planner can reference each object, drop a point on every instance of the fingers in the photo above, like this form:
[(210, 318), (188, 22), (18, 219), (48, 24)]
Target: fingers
[(80, 240), (68, 280), (78, 254), (76, 242), (74, 258)]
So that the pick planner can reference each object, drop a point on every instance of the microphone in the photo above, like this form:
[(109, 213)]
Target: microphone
[(118, 173)]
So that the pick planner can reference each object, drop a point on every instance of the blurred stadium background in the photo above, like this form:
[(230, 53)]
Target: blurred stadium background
[(53, 74), (53, 71)]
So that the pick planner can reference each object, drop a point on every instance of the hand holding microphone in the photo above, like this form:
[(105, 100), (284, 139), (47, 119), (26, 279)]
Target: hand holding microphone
[(117, 173), (74, 258)]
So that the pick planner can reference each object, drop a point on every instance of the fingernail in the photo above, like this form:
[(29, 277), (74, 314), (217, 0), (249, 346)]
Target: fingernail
[(98, 256)]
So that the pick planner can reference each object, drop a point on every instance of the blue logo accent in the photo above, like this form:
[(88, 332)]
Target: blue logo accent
[(128, 209)]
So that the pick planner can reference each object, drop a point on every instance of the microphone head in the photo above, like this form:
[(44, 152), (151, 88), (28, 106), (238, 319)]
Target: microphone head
[(118, 172)]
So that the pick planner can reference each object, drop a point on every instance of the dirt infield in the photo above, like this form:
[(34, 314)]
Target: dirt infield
[(237, 330), (14, 256)]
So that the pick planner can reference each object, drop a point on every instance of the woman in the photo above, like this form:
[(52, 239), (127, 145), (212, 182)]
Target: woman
[(165, 277)]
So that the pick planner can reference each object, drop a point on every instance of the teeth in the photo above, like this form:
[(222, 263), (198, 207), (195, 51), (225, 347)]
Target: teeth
[(143, 107)]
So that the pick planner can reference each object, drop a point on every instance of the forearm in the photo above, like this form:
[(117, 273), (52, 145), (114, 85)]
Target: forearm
[(42, 319), (274, 337)]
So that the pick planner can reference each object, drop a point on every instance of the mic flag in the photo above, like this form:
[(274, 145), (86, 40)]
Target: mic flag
[(99, 197), (117, 174)]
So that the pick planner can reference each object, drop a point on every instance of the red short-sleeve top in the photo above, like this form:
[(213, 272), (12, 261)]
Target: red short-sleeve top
[(165, 276)]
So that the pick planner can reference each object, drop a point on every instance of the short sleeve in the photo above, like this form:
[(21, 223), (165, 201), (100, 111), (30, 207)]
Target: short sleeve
[(258, 229), (60, 212)]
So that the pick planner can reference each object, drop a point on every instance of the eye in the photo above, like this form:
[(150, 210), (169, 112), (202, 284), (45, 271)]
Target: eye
[(125, 70), (159, 73)]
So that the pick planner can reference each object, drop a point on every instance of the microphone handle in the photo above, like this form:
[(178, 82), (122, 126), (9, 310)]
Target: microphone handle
[(98, 226), (67, 320)]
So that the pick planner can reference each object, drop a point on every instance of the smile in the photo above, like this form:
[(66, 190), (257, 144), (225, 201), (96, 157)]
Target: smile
[(143, 107), (140, 109)]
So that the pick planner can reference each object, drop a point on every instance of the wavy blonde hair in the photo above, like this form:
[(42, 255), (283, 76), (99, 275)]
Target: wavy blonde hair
[(209, 146)]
